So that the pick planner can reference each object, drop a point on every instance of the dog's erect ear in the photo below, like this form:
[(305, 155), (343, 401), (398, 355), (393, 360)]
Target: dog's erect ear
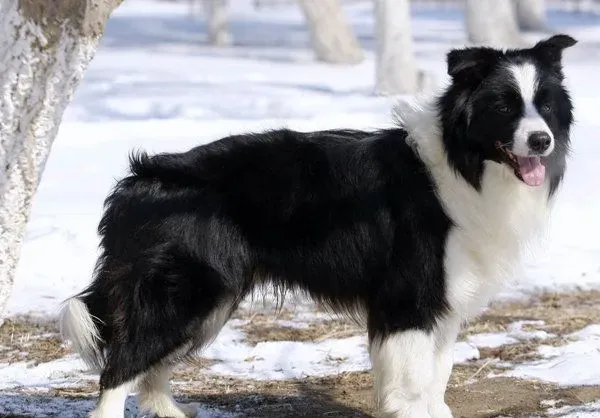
[(472, 64), (550, 50)]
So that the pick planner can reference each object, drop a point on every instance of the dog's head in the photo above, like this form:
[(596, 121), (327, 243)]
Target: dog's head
[(510, 107)]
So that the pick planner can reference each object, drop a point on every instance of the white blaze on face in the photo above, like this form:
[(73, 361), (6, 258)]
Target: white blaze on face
[(526, 80)]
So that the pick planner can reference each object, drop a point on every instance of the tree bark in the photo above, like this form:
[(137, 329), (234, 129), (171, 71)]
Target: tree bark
[(332, 37), (396, 71), (531, 14), (216, 16), (45, 47), (492, 23)]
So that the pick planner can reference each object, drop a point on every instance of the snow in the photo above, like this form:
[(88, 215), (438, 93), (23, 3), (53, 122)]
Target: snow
[(276, 360), (514, 335), (569, 365), (589, 410), (155, 85), (42, 377), (463, 352)]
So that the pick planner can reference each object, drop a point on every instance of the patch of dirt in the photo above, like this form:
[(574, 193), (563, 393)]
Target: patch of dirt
[(27, 341), (509, 397)]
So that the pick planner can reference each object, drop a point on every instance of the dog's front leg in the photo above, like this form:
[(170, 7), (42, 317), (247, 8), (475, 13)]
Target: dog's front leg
[(445, 338), (403, 369)]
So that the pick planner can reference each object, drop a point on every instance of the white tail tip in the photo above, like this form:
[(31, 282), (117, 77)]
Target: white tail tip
[(77, 326)]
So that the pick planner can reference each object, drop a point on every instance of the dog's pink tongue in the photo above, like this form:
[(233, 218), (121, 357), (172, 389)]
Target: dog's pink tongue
[(532, 170)]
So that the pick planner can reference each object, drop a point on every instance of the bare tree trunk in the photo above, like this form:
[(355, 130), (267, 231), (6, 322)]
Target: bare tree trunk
[(531, 14), (396, 65), (331, 36), (492, 23), (216, 15), (45, 47)]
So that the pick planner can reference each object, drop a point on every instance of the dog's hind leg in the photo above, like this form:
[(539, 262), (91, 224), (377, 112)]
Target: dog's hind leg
[(112, 401), (166, 306), (140, 366), (155, 395), (155, 392)]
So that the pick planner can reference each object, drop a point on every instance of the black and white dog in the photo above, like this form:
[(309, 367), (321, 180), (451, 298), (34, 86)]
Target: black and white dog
[(410, 229)]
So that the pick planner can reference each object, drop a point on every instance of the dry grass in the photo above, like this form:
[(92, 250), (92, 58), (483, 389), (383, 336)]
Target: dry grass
[(26, 341), (562, 313), (264, 329)]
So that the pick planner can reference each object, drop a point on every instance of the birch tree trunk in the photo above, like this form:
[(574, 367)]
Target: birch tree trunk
[(216, 16), (492, 23), (396, 68), (531, 14), (332, 38), (45, 47)]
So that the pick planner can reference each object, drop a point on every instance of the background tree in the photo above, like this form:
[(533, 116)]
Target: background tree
[(492, 23), (531, 14), (45, 48), (396, 68), (332, 38), (216, 17)]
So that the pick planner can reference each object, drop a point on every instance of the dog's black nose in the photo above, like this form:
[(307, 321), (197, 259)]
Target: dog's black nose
[(539, 141)]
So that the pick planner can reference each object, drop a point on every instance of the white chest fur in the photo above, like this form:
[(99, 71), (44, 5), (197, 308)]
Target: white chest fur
[(493, 227)]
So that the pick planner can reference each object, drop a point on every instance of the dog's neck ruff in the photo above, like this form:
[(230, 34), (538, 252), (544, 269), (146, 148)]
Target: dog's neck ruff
[(419, 118)]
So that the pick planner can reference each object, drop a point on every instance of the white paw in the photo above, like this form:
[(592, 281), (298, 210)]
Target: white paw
[(406, 412), (403, 414), (439, 410), (174, 410)]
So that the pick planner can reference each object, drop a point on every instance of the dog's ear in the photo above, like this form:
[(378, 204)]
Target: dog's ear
[(472, 64), (550, 50)]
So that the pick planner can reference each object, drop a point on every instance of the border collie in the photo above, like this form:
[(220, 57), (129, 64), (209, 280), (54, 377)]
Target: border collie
[(411, 229)]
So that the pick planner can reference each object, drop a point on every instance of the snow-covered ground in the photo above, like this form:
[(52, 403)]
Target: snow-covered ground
[(571, 364), (155, 85)]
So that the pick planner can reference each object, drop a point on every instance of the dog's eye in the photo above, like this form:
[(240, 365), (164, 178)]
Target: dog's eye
[(503, 109), (546, 108)]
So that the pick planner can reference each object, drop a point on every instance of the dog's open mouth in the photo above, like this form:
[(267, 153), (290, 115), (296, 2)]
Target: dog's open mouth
[(530, 169)]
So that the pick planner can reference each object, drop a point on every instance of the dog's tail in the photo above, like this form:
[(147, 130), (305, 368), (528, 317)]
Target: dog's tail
[(77, 326)]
